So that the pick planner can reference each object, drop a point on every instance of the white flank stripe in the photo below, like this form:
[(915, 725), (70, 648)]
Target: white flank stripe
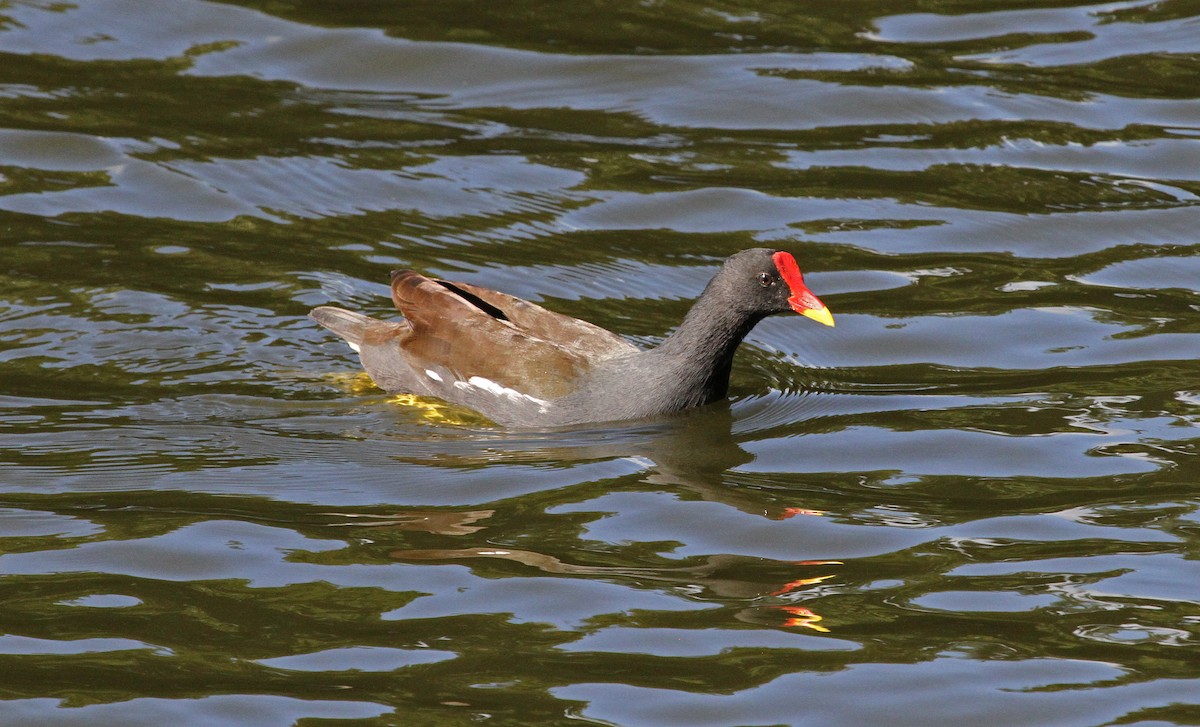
[(433, 374), (354, 346), (491, 387)]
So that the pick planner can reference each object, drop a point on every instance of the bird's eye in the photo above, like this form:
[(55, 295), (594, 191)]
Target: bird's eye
[(765, 280)]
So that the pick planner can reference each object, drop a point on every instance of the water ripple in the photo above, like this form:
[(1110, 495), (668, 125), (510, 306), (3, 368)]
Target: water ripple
[(971, 502)]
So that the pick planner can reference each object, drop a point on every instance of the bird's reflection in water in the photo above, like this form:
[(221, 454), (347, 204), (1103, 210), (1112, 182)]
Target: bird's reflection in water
[(690, 454), (438, 522), (714, 577), (694, 451)]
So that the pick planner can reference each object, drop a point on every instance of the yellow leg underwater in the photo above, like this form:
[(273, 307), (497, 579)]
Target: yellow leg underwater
[(428, 408)]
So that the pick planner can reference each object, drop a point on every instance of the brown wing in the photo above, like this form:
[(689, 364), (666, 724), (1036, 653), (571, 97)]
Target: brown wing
[(586, 339), (472, 332)]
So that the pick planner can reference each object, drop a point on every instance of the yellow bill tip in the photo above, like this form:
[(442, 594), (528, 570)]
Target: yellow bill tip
[(820, 315)]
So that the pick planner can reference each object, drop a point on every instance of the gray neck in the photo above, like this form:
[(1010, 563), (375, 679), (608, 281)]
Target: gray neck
[(700, 352), (689, 369)]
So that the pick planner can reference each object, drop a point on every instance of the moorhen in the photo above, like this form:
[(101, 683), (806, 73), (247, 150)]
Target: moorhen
[(521, 365)]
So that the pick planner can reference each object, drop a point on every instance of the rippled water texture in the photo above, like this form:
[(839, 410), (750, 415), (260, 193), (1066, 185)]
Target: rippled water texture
[(974, 502)]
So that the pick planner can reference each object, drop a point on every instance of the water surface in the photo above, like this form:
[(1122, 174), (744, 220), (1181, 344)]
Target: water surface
[(974, 502)]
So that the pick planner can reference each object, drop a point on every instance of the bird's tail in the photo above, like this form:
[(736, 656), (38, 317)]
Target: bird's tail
[(347, 324)]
